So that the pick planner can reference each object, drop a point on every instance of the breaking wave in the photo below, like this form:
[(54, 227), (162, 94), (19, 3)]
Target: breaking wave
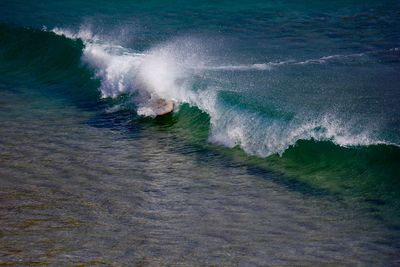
[(179, 70)]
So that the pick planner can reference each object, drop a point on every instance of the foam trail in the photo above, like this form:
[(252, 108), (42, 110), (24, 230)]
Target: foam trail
[(271, 65), (260, 66)]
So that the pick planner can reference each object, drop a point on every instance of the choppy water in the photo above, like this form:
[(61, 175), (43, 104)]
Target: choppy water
[(284, 149)]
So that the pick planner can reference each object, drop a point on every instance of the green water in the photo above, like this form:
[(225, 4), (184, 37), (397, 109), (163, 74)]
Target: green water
[(283, 148)]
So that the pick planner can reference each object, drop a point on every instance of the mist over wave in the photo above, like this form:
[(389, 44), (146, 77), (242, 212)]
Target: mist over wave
[(179, 70)]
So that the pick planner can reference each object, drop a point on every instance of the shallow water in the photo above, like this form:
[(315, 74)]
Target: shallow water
[(284, 148)]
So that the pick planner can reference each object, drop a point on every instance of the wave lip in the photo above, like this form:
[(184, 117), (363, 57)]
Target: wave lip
[(85, 34)]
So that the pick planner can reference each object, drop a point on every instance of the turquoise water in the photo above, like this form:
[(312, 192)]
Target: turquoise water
[(283, 148)]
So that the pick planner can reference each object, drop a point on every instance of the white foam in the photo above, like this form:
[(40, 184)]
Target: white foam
[(116, 70), (261, 136)]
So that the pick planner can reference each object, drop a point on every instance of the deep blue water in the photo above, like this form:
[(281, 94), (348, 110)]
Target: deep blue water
[(283, 148)]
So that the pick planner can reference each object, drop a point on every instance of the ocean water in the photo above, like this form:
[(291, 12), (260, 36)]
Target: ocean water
[(283, 148)]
